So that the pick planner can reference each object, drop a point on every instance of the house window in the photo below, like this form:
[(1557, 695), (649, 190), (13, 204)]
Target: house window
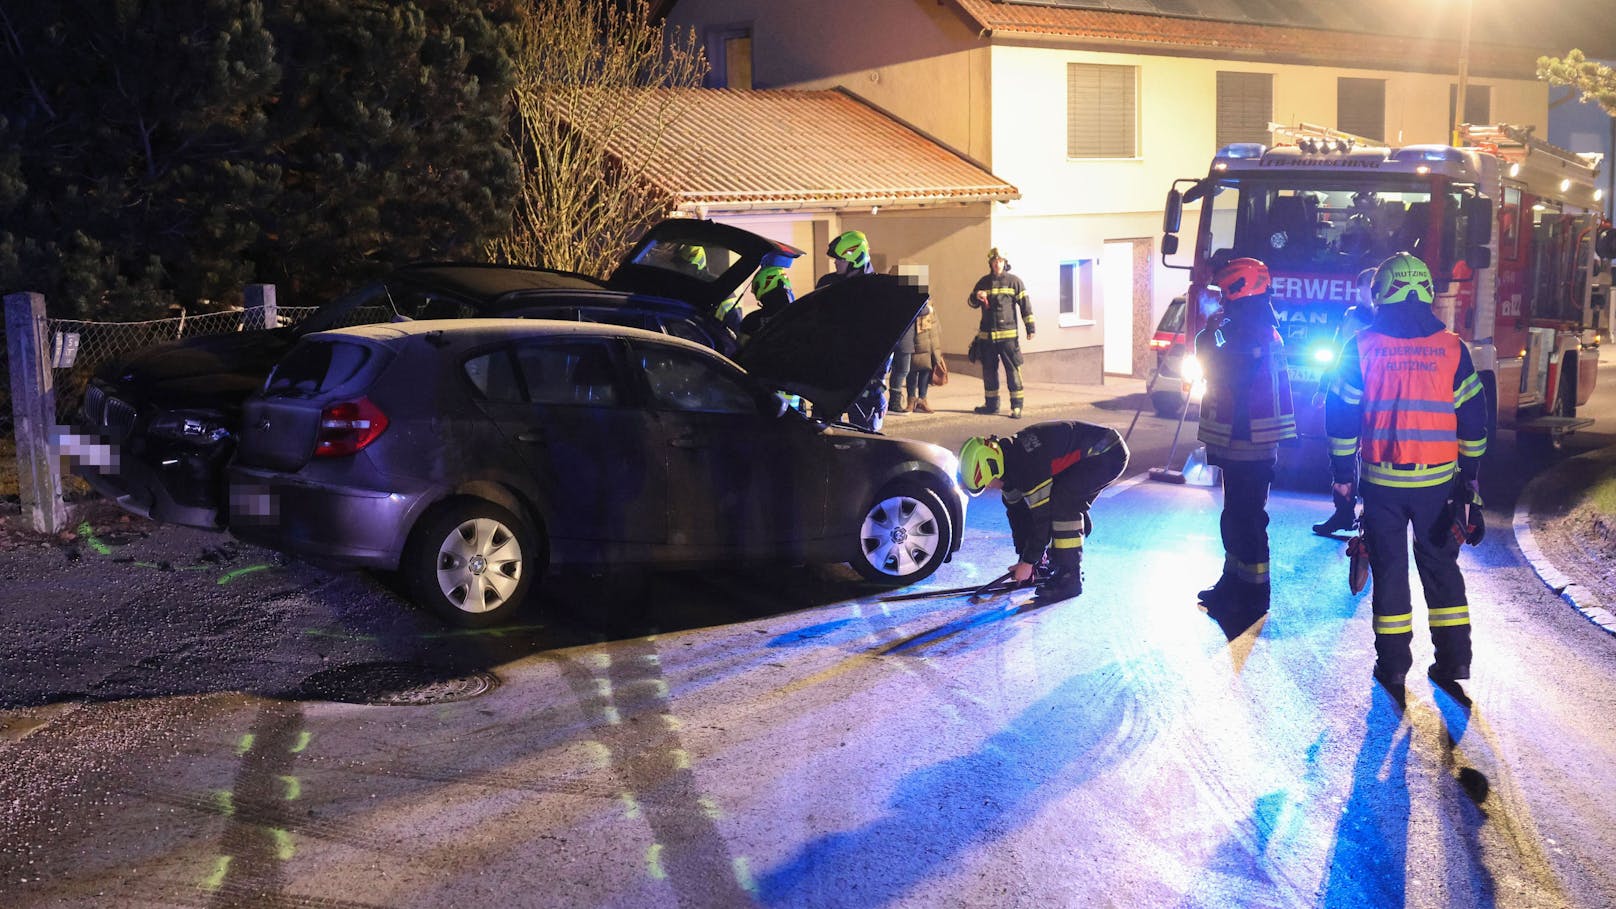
[(1478, 103), (1077, 292), (729, 57), (1101, 111), (1361, 107), (1245, 107)]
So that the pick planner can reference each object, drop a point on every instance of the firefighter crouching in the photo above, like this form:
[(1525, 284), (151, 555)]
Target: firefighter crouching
[(1000, 295), (1245, 414), (1049, 474), (1407, 424)]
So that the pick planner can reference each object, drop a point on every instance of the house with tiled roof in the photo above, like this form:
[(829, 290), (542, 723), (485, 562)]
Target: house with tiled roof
[(1091, 109)]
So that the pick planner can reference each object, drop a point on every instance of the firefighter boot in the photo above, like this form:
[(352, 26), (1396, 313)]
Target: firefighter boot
[(1064, 584), (987, 408), (1343, 519)]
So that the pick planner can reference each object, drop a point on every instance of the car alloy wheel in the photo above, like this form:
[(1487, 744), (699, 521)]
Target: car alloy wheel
[(472, 562), (904, 536)]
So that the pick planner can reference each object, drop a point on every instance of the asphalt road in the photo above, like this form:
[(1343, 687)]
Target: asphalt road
[(178, 731)]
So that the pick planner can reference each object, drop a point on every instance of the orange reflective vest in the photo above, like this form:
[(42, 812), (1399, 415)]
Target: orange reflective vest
[(1408, 398)]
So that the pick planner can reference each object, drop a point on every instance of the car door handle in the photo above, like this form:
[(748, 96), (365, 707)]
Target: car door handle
[(686, 442), (844, 446), (531, 435)]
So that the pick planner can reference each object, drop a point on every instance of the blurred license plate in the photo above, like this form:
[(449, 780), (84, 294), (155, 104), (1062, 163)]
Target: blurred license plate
[(1300, 374)]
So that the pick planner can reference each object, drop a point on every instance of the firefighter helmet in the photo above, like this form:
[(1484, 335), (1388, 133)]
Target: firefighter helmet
[(695, 256), (981, 462), (852, 246), (1241, 278), (1401, 279), (768, 279)]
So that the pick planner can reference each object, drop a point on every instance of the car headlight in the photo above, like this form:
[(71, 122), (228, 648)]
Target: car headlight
[(189, 427)]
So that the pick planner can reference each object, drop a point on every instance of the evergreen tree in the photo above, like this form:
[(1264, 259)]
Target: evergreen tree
[(1594, 81), (155, 152)]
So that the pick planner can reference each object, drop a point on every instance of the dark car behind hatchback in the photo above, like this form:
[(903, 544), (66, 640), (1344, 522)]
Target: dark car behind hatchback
[(473, 455)]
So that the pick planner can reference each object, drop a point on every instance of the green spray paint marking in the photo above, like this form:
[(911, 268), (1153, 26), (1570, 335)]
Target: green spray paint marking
[(339, 635), (245, 744), (241, 571), (87, 533), (221, 867), (294, 787), (284, 850), (653, 862), (303, 739), (743, 874)]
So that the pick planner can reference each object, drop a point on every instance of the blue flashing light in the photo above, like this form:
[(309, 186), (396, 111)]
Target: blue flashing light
[(1323, 354), (1242, 150), (1429, 153)]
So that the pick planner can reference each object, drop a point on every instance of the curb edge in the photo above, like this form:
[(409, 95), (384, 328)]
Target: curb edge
[(1577, 596)]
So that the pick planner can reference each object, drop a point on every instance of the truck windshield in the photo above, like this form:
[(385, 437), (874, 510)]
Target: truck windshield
[(1309, 223)]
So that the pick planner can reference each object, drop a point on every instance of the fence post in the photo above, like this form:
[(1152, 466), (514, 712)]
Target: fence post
[(262, 298), (33, 410)]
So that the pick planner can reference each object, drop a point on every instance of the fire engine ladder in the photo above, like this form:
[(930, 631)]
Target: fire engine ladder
[(1515, 144), (1317, 133)]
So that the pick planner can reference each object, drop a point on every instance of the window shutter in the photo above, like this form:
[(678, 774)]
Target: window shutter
[(1361, 107), (1245, 107), (1101, 116)]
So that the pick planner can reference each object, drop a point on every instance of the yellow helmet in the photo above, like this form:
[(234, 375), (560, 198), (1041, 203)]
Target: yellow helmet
[(852, 246), (768, 279), (981, 462), (1403, 278)]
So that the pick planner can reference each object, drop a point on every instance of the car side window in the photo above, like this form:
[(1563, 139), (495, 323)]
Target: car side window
[(494, 376), (680, 380), (568, 374), (689, 331)]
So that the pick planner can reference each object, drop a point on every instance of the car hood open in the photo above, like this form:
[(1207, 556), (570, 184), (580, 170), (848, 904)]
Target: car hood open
[(829, 344), (701, 261)]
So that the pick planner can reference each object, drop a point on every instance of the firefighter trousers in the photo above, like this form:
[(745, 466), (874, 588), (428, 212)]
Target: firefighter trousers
[(1008, 353), (1389, 512), (1244, 528), (1070, 498)]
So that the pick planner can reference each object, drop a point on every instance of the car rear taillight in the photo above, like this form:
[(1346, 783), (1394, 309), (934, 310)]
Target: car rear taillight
[(1160, 343), (347, 427)]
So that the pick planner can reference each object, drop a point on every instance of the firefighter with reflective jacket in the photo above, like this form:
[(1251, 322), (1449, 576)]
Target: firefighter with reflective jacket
[(1245, 414), (772, 288), (851, 254), (1048, 474), (1000, 295), (1407, 422)]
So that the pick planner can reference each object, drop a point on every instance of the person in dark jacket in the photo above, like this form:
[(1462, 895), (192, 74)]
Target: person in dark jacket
[(1049, 475), (1001, 295), (1357, 317), (1245, 414), (851, 253), (1407, 424)]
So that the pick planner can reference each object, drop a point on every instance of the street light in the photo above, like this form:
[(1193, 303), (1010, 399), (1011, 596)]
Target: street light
[(1464, 73)]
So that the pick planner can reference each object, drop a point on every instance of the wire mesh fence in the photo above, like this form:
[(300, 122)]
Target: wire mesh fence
[(78, 348)]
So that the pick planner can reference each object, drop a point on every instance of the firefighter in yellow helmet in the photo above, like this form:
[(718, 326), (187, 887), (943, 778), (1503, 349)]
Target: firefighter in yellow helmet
[(1048, 474), (1001, 296), (850, 252), (1245, 414), (1407, 426)]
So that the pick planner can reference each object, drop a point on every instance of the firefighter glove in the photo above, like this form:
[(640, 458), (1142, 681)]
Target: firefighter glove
[(1469, 521)]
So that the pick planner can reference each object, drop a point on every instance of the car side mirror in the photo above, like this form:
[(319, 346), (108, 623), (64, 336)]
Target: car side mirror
[(1479, 223), (1169, 244), (1479, 257), (773, 405)]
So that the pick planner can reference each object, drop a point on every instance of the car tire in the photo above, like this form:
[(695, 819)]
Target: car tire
[(903, 535), (472, 562), (1168, 404)]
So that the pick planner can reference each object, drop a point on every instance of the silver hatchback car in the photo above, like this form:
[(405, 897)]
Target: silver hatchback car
[(475, 454)]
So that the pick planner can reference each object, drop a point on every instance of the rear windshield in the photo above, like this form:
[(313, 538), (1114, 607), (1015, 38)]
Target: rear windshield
[(316, 366), (1172, 321)]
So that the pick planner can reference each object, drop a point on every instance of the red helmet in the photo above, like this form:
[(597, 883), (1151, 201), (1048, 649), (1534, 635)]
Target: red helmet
[(1242, 278)]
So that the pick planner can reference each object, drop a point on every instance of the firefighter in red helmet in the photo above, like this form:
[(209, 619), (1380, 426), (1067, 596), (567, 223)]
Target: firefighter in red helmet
[(1245, 414)]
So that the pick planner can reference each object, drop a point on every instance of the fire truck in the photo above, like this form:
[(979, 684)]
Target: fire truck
[(1509, 224)]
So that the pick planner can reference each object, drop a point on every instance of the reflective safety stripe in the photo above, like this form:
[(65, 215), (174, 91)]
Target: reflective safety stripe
[(1408, 407), (1002, 334), (1038, 496), (1395, 624), (1274, 429), (1472, 448), (1074, 542), (1347, 392), (1449, 616), (1066, 526), (1416, 477), (1469, 388), (1343, 446), (1250, 572)]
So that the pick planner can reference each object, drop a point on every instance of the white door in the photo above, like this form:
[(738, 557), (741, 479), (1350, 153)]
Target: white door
[(1116, 306)]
